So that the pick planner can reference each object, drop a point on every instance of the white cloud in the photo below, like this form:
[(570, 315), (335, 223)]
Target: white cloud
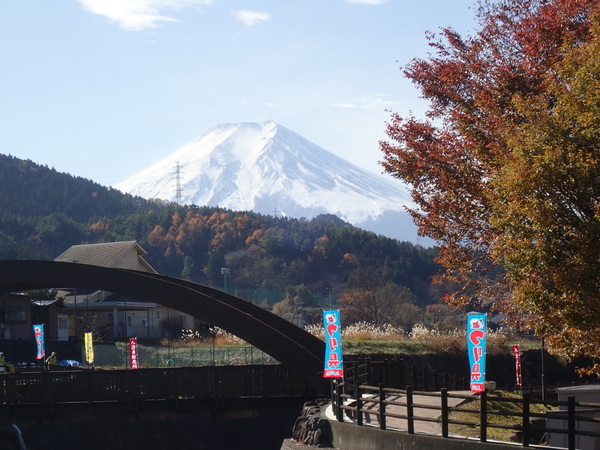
[(367, 2), (250, 17), (366, 103), (136, 15)]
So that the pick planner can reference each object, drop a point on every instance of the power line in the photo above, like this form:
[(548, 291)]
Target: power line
[(178, 183)]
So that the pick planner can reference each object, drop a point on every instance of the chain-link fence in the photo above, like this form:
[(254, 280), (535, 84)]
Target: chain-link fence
[(116, 355)]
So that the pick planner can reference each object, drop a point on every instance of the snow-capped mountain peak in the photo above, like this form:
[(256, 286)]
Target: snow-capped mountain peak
[(265, 167)]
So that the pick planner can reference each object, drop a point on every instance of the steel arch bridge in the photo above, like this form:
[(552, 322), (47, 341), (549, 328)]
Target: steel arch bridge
[(292, 346)]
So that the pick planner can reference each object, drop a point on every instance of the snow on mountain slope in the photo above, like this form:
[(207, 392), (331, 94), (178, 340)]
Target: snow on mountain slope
[(266, 168)]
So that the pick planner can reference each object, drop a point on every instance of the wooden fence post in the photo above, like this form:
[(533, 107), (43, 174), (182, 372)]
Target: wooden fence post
[(332, 392), (445, 412), (339, 402), (526, 428), (381, 406), (402, 375), (359, 416), (386, 372), (410, 410), (483, 417), (571, 422)]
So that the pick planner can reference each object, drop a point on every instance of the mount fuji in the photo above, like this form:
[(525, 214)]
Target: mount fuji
[(267, 168)]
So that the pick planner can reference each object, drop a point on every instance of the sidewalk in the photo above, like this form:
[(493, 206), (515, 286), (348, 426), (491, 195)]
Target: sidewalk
[(372, 419)]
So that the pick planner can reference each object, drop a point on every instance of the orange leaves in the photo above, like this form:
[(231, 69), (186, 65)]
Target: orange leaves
[(102, 227), (195, 232), (254, 239), (505, 169)]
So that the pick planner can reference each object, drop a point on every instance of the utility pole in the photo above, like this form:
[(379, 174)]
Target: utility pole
[(225, 271)]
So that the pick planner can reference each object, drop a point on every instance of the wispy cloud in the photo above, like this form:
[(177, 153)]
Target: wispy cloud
[(246, 101), (366, 103), (136, 15), (250, 17), (367, 2)]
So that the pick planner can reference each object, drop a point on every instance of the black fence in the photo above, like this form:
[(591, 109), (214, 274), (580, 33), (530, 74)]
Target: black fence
[(59, 386), (569, 419), (394, 373)]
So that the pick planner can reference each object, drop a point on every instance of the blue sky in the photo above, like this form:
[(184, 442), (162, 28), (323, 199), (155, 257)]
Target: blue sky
[(102, 89)]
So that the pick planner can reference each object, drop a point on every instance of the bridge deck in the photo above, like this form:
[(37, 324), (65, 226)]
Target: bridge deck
[(167, 391)]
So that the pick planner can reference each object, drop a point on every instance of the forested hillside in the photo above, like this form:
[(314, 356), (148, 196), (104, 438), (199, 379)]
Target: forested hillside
[(44, 212)]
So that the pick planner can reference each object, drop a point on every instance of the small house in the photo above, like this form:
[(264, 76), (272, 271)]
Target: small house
[(112, 315)]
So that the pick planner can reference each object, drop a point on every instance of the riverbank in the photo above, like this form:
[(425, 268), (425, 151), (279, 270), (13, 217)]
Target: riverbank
[(239, 430)]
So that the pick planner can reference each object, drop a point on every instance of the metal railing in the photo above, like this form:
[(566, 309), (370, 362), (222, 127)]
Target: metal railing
[(394, 373), (159, 383), (380, 404)]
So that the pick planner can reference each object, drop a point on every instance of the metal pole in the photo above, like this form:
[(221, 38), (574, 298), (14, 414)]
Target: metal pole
[(483, 417), (445, 412), (75, 308), (359, 416), (526, 405), (543, 371), (410, 410), (571, 422), (381, 406), (225, 271)]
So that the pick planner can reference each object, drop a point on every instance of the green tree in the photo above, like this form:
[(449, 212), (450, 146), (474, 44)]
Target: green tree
[(547, 202), (296, 299)]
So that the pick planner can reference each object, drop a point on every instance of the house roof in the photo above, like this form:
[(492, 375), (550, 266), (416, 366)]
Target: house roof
[(104, 255), (44, 302)]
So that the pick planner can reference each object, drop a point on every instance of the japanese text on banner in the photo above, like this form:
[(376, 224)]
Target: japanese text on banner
[(133, 354), (89, 348), (38, 333), (476, 346), (333, 345)]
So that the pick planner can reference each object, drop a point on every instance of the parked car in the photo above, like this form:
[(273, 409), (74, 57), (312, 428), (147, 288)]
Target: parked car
[(69, 363), (7, 368)]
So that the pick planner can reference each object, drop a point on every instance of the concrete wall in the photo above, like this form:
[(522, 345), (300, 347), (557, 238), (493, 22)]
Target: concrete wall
[(347, 436), (240, 430)]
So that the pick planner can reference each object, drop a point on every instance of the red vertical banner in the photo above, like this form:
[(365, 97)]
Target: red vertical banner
[(517, 352), (133, 354)]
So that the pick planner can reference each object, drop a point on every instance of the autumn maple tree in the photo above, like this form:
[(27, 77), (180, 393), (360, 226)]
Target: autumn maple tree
[(505, 166)]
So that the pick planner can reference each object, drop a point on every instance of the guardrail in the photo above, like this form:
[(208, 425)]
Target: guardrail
[(383, 404)]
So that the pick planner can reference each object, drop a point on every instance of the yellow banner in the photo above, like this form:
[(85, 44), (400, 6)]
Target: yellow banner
[(89, 348)]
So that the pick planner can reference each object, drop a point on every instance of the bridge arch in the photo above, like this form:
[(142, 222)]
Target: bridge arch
[(289, 344)]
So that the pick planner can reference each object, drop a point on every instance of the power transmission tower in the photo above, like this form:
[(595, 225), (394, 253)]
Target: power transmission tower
[(178, 183)]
